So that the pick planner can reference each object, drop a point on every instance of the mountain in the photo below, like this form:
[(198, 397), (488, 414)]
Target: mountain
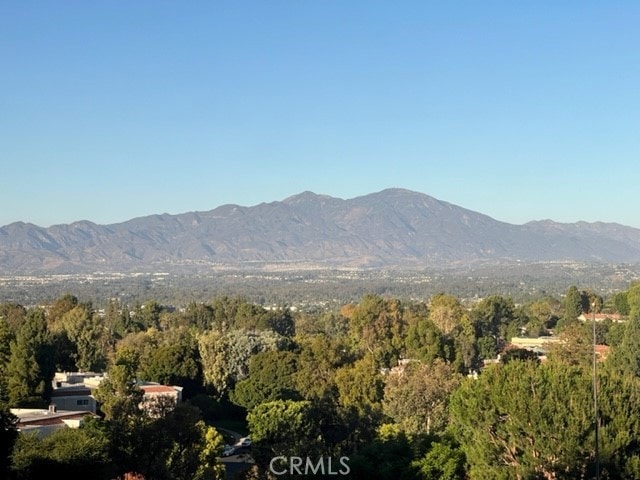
[(391, 228)]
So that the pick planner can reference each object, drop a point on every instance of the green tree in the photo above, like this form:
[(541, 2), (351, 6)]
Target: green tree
[(425, 341), (361, 387), (180, 446), (378, 327), (225, 356), (285, 428), (67, 452), (523, 420), (61, 306), (8, 437), (445, 311), (572, 305), (443, 461), (625, 357), (174, 361), (271, 377), (621, 303), (14, 314), (492, 317), (417, 396), (90, 337), (318, 361), (6, 337), (119, 394), (386, 457), (31, 367)]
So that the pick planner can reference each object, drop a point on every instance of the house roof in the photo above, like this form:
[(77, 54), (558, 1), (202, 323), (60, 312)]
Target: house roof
[(157, 389)]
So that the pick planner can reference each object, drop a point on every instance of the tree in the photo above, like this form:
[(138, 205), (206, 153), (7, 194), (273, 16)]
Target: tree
[(492, 316), (120, 398), (180, 446), (31, 368), (89, 335), (271, 377), (8, 437), (285, 428), (416, 396), (625, 357), (572, 305), (425, 341), (445, 312), (318, 361), (386, 457), (6, 337), (174, 361), (523, 420), (225, 356), (61, 306), (13, 314), (67, 452), (378, 327), (443, 461), (361, 387)]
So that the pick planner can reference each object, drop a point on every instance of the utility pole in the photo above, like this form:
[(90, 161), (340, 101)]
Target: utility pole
[(595, 393)]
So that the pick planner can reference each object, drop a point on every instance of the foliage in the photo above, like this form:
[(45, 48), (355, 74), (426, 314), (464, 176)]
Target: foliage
[(522, 420), (225, 356), (378, 327), (572, 305), (361, 386), (89, 336), (67, 452), (175, 361), (271, 377), (416, 396), (443, 461), (8, 436), (31, 367), (180, 446), (119, 394), (625, 357), (387, 457), (285, 428), (319, 358)]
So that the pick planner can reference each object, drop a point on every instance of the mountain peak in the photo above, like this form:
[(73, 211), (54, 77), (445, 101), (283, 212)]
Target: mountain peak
[(395, 227)]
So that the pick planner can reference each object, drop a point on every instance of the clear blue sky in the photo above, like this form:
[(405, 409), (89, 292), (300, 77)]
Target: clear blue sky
[(519, 110)]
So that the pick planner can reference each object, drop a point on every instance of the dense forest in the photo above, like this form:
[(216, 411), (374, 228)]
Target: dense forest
[(388, 388)]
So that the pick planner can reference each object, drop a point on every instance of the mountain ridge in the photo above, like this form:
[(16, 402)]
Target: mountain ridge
[(392, 228)]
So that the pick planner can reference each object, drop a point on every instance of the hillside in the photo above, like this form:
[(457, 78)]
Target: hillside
[(391, 228)]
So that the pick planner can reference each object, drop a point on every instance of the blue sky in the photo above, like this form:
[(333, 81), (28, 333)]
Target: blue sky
[(519, 110)]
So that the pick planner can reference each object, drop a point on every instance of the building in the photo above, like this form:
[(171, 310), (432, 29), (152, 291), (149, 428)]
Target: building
[(44, 422), (158, 399), (601, 317), (73, 391)]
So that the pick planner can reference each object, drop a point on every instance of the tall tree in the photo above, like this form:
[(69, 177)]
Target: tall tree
[(8, 436), (89, 335), (67, 452), (625, 357), (361, 387), (523, 420), (417, 396), (225, 357), (445, 312), (31, 367), (572, 305), (377, 325), (271, 377)]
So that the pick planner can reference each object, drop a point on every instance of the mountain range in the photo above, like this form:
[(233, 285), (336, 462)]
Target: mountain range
[(394, 228)]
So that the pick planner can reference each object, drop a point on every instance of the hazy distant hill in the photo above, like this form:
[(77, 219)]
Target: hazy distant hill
[(392, 228)]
